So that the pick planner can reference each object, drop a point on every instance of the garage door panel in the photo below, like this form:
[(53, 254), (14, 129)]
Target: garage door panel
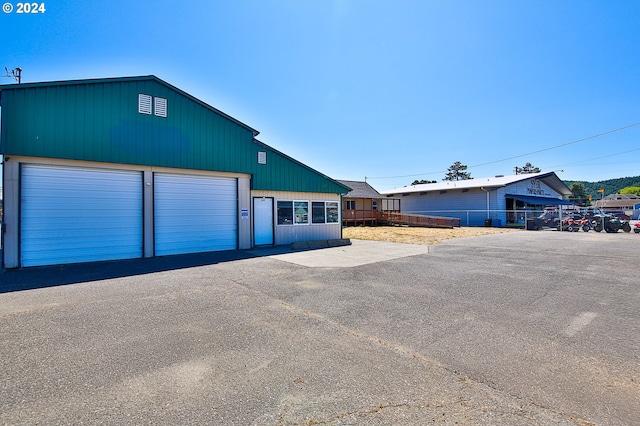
[(73, 215), (194, 213)]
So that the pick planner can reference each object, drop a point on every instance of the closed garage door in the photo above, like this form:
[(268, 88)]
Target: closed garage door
[(194, 214), (71, 215)]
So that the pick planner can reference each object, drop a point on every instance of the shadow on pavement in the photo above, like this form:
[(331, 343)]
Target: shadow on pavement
[(50, 276)]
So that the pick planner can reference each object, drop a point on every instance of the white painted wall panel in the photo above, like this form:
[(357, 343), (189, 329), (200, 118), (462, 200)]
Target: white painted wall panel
[(287, 234), (71, 215), (194, 213)]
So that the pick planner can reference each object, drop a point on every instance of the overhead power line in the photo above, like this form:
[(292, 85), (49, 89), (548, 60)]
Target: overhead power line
[(518, 156), (598, 158)]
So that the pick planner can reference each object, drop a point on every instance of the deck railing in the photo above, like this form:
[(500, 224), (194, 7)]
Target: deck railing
[(418, 220)]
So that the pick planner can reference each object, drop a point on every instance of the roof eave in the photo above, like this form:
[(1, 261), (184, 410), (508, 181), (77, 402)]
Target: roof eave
[(346, 188)]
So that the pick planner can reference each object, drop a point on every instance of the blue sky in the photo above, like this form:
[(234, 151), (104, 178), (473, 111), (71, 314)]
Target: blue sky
[(392, 90)]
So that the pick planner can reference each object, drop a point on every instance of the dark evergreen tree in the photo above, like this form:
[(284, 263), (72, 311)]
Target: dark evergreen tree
[(579, 195), (526, 169), (457, 172)]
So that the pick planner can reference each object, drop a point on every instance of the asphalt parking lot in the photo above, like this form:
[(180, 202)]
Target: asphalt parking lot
[(523, 328)]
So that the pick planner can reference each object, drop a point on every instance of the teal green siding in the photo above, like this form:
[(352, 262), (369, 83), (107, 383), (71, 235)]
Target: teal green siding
[(283, 171), (98, 120)]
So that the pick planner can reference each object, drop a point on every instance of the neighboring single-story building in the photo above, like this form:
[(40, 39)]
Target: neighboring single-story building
[(134, 167), (628, 204), (362, 205), (501, 200)]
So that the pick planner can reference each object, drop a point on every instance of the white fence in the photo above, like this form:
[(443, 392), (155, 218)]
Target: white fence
[(496, 218)]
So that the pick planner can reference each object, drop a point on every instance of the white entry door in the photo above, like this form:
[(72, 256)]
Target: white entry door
[(262, 221)]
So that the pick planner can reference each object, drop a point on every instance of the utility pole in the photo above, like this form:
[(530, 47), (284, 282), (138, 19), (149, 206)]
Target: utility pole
[(15, 73)]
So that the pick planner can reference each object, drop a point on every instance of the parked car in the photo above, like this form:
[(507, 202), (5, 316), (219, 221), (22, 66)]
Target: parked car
[(636, 228)]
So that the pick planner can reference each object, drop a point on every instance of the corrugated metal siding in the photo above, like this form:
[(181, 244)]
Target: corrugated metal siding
[(470, 207), (287, 234), (99, 121), (449, 201), (282, 173)]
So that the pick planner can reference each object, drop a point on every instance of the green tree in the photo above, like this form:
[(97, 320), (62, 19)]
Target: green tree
[(457, 172), (419, 182), (526, 169), (579, 195), (631, 190)]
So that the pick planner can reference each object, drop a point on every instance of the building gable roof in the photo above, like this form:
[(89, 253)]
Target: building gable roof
[(124, 79), (549, 178), (326, 183), (360, 189)]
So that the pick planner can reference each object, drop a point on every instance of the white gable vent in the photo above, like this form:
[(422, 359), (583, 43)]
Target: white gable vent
[(262, 157), (160, 107), (144, 104)]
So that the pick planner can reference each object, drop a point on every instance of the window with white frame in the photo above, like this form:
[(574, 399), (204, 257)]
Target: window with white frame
[(301, 212), (318, 212), (333, 213), (297, 212), (285, 212)]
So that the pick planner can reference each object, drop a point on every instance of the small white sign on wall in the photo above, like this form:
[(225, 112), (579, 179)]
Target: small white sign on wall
[(244, 213)]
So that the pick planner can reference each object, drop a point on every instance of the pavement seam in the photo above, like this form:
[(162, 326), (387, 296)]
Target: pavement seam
[(408, 353)]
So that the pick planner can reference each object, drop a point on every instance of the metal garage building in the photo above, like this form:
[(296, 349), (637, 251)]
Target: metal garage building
[(134, 167), (502, 199)]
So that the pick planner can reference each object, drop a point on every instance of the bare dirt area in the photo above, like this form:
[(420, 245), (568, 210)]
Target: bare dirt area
[(416, 235)]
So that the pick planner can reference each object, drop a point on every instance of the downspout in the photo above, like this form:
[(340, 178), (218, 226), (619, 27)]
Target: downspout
[(340, 207), (487, 191)]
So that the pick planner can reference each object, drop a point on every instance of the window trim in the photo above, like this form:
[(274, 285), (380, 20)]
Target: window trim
[(295, 216), (293, 213), (278, 213), (335, 204), (324, 212), (337, 208)]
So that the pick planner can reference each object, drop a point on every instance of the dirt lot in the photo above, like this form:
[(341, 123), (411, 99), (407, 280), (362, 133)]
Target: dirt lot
[(415, 235)]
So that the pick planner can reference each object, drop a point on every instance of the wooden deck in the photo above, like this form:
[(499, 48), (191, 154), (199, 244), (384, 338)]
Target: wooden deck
[(360, 217)]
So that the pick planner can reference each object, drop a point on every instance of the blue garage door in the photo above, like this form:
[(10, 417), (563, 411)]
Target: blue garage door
[(71, 215), (195, 213)]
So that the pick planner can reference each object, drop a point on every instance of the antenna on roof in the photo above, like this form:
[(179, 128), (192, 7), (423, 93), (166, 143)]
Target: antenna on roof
[(14, 73)]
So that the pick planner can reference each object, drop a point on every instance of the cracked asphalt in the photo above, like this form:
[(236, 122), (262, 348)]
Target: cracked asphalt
[(524, 328)]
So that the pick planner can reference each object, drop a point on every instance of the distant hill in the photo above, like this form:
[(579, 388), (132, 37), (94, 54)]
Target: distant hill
[(611, 186)]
